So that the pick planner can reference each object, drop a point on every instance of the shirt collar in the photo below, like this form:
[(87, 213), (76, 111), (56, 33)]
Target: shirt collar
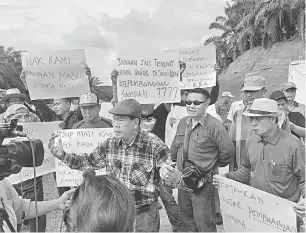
[(201, 121), (138, 141), (295, 104), (274, 139)]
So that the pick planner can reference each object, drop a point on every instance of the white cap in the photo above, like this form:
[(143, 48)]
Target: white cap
[(227, 93)]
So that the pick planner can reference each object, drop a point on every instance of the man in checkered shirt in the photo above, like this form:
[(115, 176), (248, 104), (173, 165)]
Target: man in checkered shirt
[(132, 155)]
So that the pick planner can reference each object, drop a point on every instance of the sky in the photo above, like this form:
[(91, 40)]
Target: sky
[(105, 27)]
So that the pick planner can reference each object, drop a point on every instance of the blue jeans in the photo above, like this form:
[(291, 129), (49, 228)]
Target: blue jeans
[(166, 195), (28, 193), (197, 209)]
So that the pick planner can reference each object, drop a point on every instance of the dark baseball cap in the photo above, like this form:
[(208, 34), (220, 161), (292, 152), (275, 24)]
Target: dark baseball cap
[(127, 107), (276, 95)]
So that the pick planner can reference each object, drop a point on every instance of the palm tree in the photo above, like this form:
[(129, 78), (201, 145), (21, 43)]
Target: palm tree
[(270, 20), (10, 69), (227, 44)]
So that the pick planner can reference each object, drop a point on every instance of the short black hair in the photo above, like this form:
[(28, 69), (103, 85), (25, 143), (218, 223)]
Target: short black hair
[(200, 91)]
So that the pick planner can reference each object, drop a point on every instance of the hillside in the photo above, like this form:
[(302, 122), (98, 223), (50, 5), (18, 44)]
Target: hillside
[(272, 63)]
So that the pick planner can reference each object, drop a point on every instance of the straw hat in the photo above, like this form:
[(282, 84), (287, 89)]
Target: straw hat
[(263, 107)]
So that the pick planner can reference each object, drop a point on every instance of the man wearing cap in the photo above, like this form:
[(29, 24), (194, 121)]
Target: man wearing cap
[(223, 106), (293, 122), (254, 87), (132, 155), (275, 161), (26, 188), (289, 89), (90, 109), (13, 96)]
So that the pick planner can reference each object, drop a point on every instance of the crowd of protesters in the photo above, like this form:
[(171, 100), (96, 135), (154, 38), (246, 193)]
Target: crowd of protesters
[(260, 138)]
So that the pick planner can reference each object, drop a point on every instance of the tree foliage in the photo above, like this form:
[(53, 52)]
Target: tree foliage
[(251, 23)]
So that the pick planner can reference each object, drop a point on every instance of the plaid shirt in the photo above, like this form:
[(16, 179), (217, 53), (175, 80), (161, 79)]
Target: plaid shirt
[(136, 165)]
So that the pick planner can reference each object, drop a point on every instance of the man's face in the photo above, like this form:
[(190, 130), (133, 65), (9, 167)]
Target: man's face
[(262, 125), (147, 123), (124, 126), (184, 95), (90, 113), (226, 99), (196, 105), (290, 93), (61, 106), (250, 96), (15, 100), (282, 106), (22, 116)]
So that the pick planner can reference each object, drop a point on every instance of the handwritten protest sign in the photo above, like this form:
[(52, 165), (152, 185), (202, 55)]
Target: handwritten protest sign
[(78, 141), (248, 209), (55, 74), (200, 62), (149, 78), (297, 74), (42, 131)]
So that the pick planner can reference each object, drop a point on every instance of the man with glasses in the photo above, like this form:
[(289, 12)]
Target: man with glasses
[(13, 96), (132, 155), (201, 143)]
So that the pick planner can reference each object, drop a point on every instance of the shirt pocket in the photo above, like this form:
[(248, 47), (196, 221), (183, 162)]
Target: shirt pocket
[(115, 167), (141, 173), (200, 141), (278, 173)]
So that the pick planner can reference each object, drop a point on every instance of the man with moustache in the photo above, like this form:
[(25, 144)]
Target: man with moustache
[(132, 155)]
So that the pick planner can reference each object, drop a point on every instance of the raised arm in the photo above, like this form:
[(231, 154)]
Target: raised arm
[(81, 161)]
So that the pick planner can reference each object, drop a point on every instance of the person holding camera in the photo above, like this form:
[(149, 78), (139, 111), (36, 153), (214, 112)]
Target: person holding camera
[(201, 144), (26, 188), (16, 209)]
